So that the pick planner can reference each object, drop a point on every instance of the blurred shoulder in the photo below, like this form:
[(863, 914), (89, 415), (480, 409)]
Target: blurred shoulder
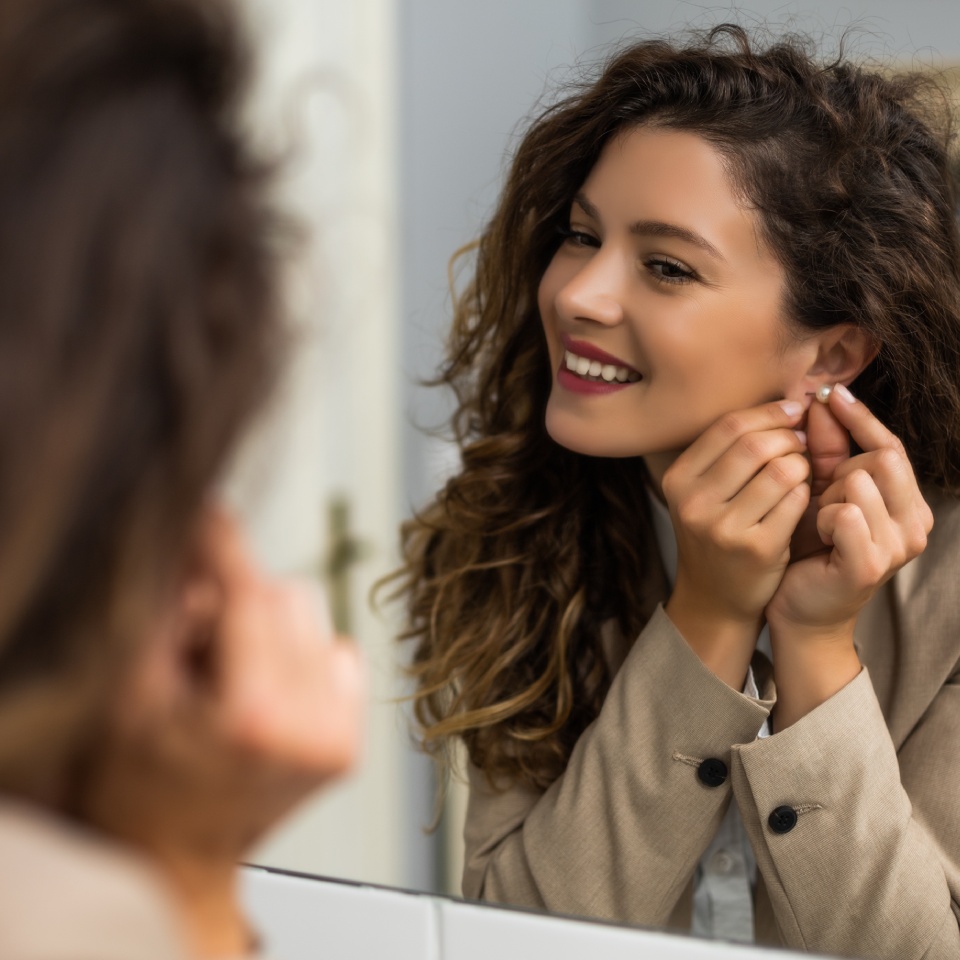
[(68, 893)]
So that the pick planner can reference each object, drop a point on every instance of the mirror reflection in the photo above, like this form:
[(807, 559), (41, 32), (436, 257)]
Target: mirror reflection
[(586, 595)]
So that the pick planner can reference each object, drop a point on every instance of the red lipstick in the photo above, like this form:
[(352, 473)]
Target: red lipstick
[(569, 380), (583, 349)]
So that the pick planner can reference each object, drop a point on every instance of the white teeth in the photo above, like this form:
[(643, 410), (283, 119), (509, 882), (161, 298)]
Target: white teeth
[(608, 372)]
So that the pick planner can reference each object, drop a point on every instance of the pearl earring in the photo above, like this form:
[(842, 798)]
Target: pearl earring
[(823, 392)]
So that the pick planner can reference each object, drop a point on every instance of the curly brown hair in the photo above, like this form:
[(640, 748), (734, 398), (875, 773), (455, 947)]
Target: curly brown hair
[(511, 571), (138, 332)]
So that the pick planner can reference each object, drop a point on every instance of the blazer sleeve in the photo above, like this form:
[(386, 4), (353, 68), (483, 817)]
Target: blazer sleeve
[(871, 867), (618, 835)]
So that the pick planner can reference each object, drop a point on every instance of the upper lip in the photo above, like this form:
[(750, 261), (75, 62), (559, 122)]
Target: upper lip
[(583, 349)]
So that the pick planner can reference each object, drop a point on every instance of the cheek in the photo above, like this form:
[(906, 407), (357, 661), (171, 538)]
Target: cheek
[(546, 293)]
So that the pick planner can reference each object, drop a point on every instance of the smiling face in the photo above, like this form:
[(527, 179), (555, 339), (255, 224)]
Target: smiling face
[(662, 308)]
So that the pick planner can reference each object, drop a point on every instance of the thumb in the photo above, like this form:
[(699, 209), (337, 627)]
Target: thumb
[(828, 443)]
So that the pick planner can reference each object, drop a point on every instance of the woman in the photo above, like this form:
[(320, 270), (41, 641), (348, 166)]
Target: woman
[(652, 507), (162, 701)]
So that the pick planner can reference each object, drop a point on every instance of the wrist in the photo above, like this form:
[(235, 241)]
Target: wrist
[(723, 642), (810, 666)]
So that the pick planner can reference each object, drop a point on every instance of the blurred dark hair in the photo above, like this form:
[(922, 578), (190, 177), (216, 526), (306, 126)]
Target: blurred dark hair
[(138, 332), (511, 570)]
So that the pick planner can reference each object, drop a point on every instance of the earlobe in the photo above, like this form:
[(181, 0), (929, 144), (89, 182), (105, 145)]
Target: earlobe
[(842, 355)]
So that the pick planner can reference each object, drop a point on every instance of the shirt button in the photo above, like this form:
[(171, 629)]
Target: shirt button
[(712, 772), (783, 819), (721, 862)]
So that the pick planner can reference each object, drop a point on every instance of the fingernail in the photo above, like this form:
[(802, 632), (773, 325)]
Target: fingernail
[(791, 408), (841, 391), (801, 436)]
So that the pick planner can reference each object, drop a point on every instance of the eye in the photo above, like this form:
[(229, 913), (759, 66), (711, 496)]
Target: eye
[(668, 270), (577, 238)]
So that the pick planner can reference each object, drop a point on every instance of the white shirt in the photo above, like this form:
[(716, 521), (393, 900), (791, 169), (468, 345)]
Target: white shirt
[(727, 871)]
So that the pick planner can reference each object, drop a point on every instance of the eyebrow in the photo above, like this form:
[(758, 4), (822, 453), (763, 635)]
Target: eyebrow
[(656, 228)]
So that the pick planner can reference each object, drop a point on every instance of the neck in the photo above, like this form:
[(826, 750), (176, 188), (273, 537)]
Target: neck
[(208, 900)]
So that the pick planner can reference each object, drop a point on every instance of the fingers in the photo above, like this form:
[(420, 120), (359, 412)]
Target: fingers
[(222, 549), (782, 519), (284, 691), (764, 464), (862, 493), (893, 475), (828, 444), (783, 415), (885, 461), (867, 431), (289, 694)]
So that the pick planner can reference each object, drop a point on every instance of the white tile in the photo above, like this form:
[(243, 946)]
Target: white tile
[(474, 932), (310, 919)]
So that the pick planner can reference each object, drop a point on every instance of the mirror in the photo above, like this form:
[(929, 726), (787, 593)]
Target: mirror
[(400, 115)]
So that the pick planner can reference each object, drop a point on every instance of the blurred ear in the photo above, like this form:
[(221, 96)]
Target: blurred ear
[(843, 352), (178, 662)]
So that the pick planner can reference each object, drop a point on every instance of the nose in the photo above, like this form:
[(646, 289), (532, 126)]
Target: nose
[(595, 292)]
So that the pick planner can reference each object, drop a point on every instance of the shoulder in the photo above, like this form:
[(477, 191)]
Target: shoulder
[(64, 892)]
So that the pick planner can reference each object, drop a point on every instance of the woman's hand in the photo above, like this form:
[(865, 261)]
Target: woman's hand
[(871, 519), (735, 496), (241, 705)]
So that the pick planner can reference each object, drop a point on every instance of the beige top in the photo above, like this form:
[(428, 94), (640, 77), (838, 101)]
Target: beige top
[(871, 867), (69, 895)]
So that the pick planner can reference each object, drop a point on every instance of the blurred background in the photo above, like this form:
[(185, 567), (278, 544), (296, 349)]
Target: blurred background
[(393, 119)]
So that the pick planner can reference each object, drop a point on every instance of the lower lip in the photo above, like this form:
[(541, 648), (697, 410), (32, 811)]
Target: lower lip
[(570, 381)]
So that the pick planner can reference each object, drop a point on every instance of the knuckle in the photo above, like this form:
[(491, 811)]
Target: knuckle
[(690, 512), (890, 461), (670, 483), (916, 541), (732, 425), (780, 472), (848, 514), (859, 480), (726, 536), (753, 447)]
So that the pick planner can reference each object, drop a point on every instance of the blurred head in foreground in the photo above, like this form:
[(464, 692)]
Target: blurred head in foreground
[(153, 684)]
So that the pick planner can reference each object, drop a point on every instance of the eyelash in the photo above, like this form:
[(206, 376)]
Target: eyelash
[(683, 275), (578, 238)]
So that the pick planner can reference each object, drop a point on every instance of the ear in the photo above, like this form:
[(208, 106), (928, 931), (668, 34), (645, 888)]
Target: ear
[(842, 353), (175, 669)]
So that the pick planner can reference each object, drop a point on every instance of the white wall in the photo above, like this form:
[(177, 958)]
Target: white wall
[(325, 97)]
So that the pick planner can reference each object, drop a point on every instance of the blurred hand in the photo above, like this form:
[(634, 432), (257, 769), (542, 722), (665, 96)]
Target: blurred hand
[(242, 704)]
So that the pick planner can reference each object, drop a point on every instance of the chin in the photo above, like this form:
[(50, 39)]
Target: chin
[(586, 439)]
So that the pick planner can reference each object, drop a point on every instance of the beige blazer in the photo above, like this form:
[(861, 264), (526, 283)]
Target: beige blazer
[(67, 895), (871, 867)]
